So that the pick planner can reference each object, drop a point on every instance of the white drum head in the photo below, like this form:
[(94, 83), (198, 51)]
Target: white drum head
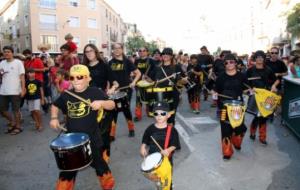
[(151, 161)]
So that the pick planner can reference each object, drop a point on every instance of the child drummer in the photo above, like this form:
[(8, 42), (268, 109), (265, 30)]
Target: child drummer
[(82, 117), (165, 134)]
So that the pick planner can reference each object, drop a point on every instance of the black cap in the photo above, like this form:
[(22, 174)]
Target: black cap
[(162, 106), (30, 70), (259, 53), (230, 57), (167, 51), (156, 51)]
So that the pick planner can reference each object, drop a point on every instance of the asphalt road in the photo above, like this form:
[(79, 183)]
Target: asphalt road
[(27, 163)]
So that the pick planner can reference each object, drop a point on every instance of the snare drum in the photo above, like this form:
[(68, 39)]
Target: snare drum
[(157, 168), (189, 85), (120, 99), (235, 112), (143, 85), (72, 151)]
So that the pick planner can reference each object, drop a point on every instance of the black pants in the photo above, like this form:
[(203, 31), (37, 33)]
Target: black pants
[(173, 106), (125, 109)]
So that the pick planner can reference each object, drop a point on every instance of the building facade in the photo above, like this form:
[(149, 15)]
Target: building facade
[(48, 21)]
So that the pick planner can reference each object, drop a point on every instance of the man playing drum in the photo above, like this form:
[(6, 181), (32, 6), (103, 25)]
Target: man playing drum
[(165, 134), (266, 79), (229, 88), (82, 118)]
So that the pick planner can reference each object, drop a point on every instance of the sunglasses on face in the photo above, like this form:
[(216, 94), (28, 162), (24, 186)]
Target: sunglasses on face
[(160, 113), (274, 53), (78, 77), (229, 62), (142, 50)]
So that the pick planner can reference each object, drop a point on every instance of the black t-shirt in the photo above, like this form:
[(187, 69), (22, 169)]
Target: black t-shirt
[(231, 85), (277, 67), (101, 73), (144, 64), (267, 77), (160, 72), (33, 89), (191, 75), (160, 135), (121, 70), (205, 60), (219, 67), (80, 116)]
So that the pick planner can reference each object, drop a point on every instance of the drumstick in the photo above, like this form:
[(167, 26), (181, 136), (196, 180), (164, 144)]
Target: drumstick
[(156, 143), (224, 96), (166, 78), (124, 87), (249, 87), (62, 128), (254, 78), (78, 97)]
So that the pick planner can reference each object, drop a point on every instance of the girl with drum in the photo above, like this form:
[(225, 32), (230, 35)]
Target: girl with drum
[(229, 89), (166, 75), (263, 77), (122, 68), (103, 78), (82, 118)]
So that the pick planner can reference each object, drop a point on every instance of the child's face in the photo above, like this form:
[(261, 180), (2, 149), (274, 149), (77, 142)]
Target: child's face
[(31, 75), (161, 116), (59, 76), (79, 82)]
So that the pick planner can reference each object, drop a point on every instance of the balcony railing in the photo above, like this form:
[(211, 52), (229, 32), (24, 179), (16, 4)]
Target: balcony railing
[(48, 4)]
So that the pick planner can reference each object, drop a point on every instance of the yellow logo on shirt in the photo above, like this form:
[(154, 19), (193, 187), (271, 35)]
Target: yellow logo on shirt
[(78, 109), (32, 89), (142, 65), (117, 67)]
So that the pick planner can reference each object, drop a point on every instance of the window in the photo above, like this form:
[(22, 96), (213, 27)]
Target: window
[(26, 20), (92, 23), (48, 21), (92, 41), (106, 28), (52, 40), (50, 4), (92, 4), (74, 3), (76, 40), (74, 22), (106, 13), (27, 42)]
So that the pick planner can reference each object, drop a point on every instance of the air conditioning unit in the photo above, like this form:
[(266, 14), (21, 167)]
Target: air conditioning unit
[(74, 4)]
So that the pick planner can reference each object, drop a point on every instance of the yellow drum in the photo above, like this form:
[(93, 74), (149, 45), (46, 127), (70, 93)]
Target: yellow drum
[(158, 169), (142, 86)]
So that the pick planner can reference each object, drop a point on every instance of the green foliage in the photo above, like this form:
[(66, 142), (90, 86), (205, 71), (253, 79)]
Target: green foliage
[(134, 43), (293, 20)]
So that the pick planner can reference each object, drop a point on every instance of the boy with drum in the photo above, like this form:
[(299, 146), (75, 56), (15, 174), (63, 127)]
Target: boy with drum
[(165, 134), (82, 117)]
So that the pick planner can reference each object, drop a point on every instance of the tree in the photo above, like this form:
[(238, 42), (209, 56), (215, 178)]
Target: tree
[(293, 20), (134, 43)]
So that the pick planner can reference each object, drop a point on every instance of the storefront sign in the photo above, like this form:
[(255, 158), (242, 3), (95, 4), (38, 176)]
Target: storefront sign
[(294, 108)]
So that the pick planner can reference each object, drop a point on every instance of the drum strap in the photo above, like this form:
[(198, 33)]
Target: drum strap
[(168, 135)]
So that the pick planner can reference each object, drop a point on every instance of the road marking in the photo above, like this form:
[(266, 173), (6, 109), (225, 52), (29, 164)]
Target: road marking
[(201, 120), (187, 123), (184, 136)]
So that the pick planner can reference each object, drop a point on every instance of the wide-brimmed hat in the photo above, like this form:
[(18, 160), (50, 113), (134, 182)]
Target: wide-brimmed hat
[(44, 46)]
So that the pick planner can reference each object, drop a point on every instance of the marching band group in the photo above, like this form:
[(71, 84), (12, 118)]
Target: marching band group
[(101, 90)]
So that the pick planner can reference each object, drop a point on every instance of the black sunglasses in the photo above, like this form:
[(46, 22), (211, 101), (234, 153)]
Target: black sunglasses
[(274, 52), (161, 113), (79, 77)]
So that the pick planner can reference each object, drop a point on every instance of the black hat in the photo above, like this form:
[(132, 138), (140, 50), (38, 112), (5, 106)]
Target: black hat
[(203, 48), (163, 106), (167, 51), (259, 53), (156, 51), (230, 57), (30, 70)]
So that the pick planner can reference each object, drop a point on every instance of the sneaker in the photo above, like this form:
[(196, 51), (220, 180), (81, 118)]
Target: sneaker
[(131, 133), (252, 137), (263, 142), (226, 158), (136, 119), (196, 111)]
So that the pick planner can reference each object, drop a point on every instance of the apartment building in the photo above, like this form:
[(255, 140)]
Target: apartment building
[(48, 21)]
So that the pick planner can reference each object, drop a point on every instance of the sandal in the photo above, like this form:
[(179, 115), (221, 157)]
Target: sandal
[(16, 131), (9, 129)]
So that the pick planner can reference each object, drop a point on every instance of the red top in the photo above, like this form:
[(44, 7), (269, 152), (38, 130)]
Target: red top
[(35, 63), (53, 71), (68, 62), (73, 47)]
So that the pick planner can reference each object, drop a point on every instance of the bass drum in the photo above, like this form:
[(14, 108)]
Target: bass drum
[(72, 151)]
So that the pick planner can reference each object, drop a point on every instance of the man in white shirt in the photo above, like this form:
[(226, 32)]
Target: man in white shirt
[(12, 89)]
